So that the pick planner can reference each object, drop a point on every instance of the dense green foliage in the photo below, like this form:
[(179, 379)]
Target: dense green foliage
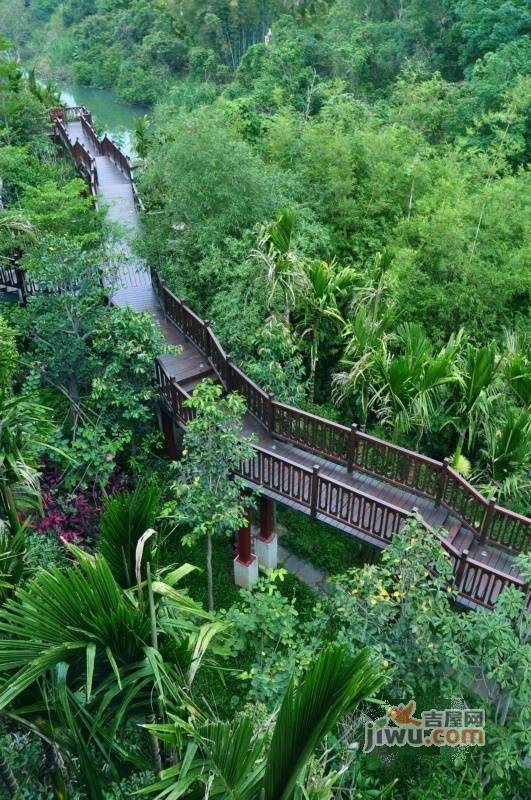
[(355, 201), (346, 197)]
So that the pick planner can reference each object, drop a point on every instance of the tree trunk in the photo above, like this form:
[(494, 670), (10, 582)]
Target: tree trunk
[(459, 447), (209, 573), (365, 406), (73, 392), (314, 353), (57, 770), (6, 773)]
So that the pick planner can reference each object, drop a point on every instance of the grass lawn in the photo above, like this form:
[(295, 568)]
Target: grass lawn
[(325, 548)]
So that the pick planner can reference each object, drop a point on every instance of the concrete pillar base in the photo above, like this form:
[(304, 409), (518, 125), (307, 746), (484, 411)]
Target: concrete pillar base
[(267, 551), (245, 574)]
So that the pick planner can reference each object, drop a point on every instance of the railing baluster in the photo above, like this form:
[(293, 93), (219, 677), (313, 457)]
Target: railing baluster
[(315, 489)]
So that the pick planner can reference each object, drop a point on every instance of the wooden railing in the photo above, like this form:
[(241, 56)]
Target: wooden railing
[(348, 508), (109, 149), (324, 496), (351, 447), (80, 156), (104, 147), (16, 278), (90, 133), (173, 396), (11, 277), (481, 585), (476, 583)]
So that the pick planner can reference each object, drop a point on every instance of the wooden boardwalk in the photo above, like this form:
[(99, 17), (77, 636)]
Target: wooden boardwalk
[(317, 476)]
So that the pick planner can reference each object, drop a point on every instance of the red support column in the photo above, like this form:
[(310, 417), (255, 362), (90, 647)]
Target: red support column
[(245, 555), (245, 563)]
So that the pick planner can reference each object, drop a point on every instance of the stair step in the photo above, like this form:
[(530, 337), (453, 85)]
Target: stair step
[(452, 528), (464, 539), (190, 383), (195, 377)]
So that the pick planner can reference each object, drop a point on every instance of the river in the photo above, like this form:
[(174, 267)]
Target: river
[(110, 113)]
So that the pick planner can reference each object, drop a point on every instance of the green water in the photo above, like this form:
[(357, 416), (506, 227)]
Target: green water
[(110, 113)]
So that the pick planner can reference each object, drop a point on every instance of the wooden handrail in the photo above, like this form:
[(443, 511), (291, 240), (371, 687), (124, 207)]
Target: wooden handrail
[(348, 446), (406, 468)]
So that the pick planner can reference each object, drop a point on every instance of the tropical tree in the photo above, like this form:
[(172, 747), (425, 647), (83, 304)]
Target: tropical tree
[(409, 383), (12, 567), (325, 285), (124, 519), (8, 355), (517, 368), (284, 266), (507, 454), (25, 430), (236, 761), (366, 337), (473, 395), (209, 496), (16, 226), (141, 136), (137, 650), (407, 595)]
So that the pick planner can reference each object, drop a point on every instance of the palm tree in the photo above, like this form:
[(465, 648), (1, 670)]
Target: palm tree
[(409, 385), (366, 336), (284, 267), (8, 355), (125, 517), (507, 452), (12, 566), (25, 430), (473, 394), (517, 368), (325, 286), (238, 763), (98, 653)]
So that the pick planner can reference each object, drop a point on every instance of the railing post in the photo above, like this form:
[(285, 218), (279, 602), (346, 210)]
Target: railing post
[(180, 321), (162, 295), (175, 399), (21, 285), (229, 374), (487, 519), (206, 337), (351, 447), (441, 481), (461, 564), (314, 490), (271, 412)]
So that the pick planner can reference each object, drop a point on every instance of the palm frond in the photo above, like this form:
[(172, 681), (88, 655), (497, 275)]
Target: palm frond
[(336, 683), (125, 518)]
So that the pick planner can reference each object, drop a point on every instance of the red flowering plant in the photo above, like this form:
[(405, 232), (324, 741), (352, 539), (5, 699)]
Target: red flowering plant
[(72, 516)]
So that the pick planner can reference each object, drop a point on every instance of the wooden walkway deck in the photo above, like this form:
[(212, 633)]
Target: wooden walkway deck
[(360, 504)]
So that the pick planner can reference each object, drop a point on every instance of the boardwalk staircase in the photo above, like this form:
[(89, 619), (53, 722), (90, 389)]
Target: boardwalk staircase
[(341, 476)]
